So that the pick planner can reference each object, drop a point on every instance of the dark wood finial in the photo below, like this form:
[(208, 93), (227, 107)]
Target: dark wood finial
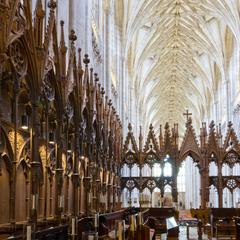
[(102, 91), (96, 79), (52, 5), (86, 59), (130, 127), (72, 36)]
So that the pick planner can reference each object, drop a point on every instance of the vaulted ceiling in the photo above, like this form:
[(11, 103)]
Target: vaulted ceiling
[(178, 52)]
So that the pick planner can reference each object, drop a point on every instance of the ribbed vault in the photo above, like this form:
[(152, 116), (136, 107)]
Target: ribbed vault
[(178, 52)]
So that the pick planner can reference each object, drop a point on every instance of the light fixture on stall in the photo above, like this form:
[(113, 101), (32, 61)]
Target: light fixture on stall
[(24, 124), (69, 149), (51, 138)]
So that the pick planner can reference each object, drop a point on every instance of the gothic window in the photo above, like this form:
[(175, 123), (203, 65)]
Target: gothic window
[(157, 171), (135, 197), (213, 197), (125, 171), (156, 197), (236, 169), (167, 189), (125, 197), (236, 197), (227, 199), (167, 171), (146, 197), (181, 179), (213, 170), (135, 171), (146, 171)]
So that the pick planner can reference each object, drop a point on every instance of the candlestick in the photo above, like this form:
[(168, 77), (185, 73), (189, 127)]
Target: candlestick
[(29, 233), (96, 216), (73, 226), (33, 201)]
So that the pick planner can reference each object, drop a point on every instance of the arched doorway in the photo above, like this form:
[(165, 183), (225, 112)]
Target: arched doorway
[(188, 191)]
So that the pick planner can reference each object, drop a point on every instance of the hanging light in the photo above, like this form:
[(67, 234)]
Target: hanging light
[(69, 149), (51, 138), (24, 122)]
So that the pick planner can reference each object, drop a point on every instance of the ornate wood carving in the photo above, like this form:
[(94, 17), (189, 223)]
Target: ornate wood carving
[(209, 150)]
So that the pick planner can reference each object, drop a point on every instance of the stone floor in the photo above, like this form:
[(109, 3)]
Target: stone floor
[(183, 234), (192, 234)]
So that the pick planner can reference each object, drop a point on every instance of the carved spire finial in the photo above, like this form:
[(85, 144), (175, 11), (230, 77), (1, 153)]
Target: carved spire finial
[(80, 60), (72, 36), (62, 39), (102, 91), (39, 12), (52, 5), (140, 139), (38, 24), (86, 60), (130, 127), (212, 124), (91, 76), (96, 79), (110, 103)]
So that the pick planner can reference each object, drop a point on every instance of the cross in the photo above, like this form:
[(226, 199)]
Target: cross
[(187, 114)]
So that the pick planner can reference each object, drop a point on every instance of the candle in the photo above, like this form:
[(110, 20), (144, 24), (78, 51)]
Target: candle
[(73, 226), (29, 233), (33, 201), (96, 220), (61, 201), (120, 230)]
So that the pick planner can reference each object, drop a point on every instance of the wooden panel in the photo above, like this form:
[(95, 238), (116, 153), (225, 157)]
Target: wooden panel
[(4, 199), (21, 191)]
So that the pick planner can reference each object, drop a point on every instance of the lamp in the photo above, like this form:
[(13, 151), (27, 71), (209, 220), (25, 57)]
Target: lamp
[(51, 138), (69, 149), (24, 125)]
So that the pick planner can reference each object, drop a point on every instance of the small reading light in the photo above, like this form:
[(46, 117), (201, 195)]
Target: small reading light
[(69, 149), (24, 122), (51, 138)]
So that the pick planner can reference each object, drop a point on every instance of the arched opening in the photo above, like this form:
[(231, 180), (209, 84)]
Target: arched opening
[(236, 197), (167, 197), (135, 171), (146, 170), (189, 191), (125, 198), (146, 197), (226, 170), (125, 170), (135, 197), (213, 169), (156, 170), (227, 198), (181, 186), (156, 197), (213, 197), (236, 169), (167, 169)]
